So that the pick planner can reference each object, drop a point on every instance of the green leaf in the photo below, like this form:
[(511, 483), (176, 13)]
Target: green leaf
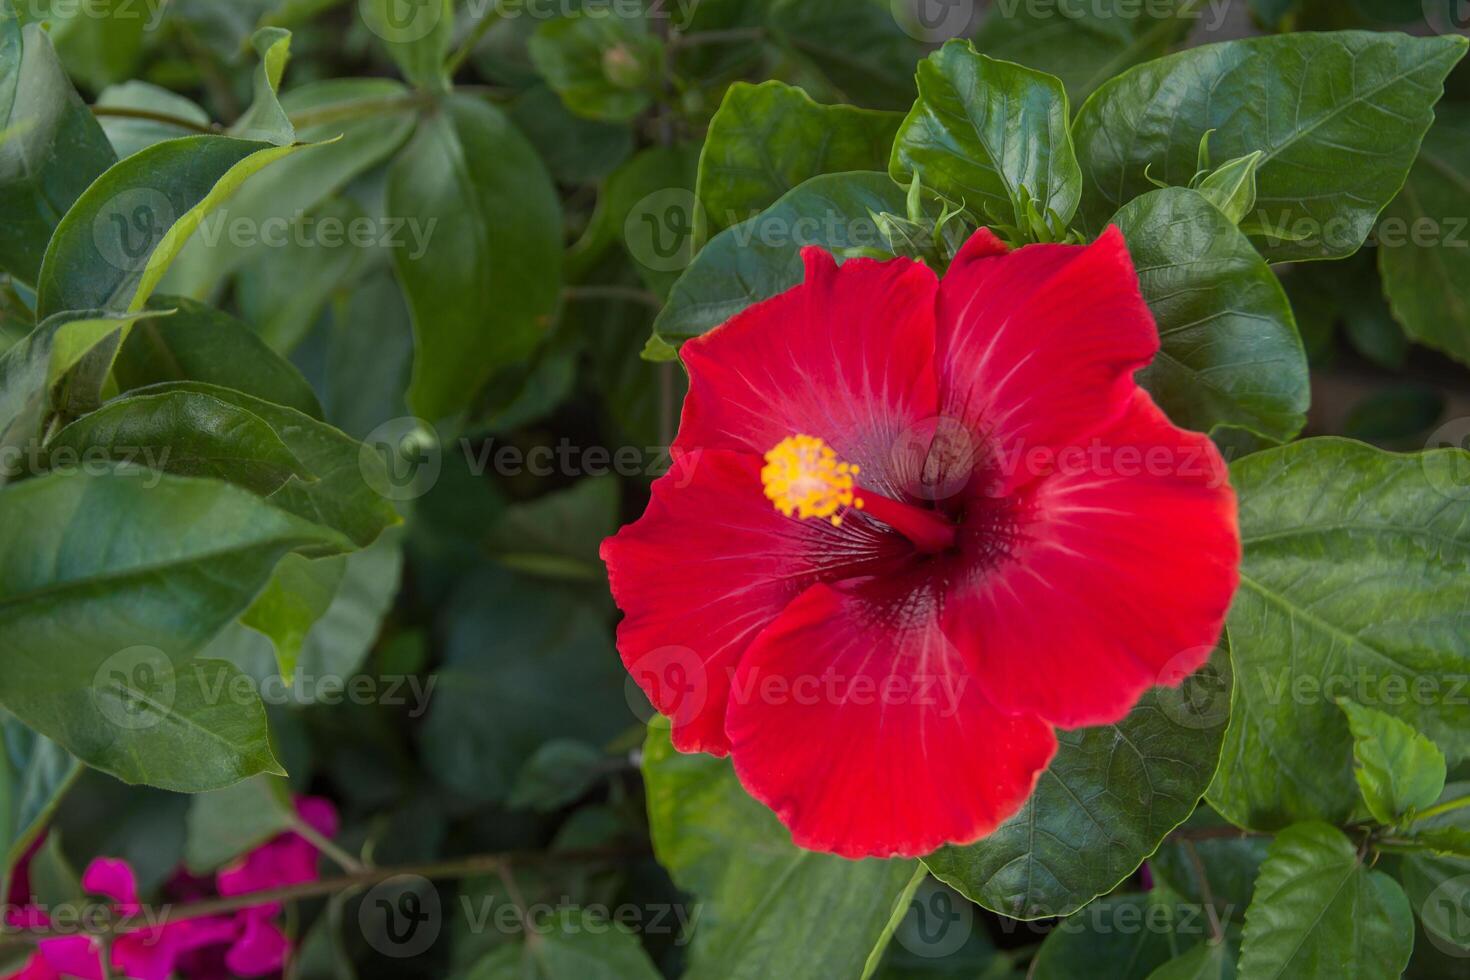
[(1339, 117), (35, 773), (53, 147), (108, 584), (603, 64), (574, 149), (1084, 44), (335, 646), (768, 138), (265, 120), (558, 773), (101, 42), (1438, 884), (1207, 961), (483, 291), (1119, 938), (759, 258), (353, 124), (558, 535), (1398, 770), (32, 369), (297, 595), (117, 241), (491, 711), (347, 488), (1231, 354), (418, 44), (225, 823), (857, 46), (1424, 244), (128, 135), (1229, 863), (992, 136), (180, 432), (575, 945), (1232, 187), (1352, 585), (648, 204), (768, 907), (1319, 912), (1108, 799), (200, 343)]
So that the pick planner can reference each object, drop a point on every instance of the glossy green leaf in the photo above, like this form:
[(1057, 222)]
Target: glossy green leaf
[(36, 375), (1230, 354), (603, 63), (768, 138), (768, 907), (492, 710), (1108, 799), (417, 42), (35, 773), (184, 433), (992, 136), (1352, 585), (1120, 937), (53, 147), (574, 945), (1424, 239), (759, 258), (225, 823), (1319, 912), (1085, 44), (297, 595), (857, 46), (347, 484), (483, 291), (115, 244), (199, 343), (1398, 770), (110, 582), (354, 124), (1438, 885), (265, 119), (130, 134), (1232, 186), (1339, 117)]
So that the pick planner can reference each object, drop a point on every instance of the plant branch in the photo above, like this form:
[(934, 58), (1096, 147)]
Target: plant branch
[(1439, 809), (1214, 833), (456, 60), (733, 35), (1206, 894), (123, 112), (328, 847), (629, 293)]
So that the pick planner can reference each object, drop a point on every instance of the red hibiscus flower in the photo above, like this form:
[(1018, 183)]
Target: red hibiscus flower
[(914, 524)]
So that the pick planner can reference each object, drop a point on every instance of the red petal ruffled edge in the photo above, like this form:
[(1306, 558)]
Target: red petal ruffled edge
[(846, 356), (708, 566), (1120, 578), (1038, 347), (870, 739)]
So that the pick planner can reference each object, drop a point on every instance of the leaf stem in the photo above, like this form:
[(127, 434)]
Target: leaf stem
[(461, 54), (327, 846), (1439, 809), (629, 293), (125, 112), (1206, 894)]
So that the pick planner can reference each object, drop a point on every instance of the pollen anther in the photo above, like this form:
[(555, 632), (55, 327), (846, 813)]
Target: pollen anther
[(804, 478)]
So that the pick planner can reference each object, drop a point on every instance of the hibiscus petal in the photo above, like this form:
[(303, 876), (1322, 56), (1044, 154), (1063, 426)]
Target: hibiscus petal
[(114, 878), (262, 948), (1118, 579), (1038, 347), (862, 727), (847, 356), (708, 566)]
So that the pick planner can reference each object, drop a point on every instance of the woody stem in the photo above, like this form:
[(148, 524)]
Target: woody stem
[(927, 529)]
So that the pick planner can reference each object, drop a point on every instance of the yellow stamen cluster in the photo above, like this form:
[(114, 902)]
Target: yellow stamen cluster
[(804, 478)]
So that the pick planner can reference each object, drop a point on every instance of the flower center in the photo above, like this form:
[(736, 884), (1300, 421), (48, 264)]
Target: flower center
[(804, 478)]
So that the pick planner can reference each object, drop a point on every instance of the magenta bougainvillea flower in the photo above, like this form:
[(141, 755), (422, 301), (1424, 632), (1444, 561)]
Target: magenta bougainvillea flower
[(914, 525)]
